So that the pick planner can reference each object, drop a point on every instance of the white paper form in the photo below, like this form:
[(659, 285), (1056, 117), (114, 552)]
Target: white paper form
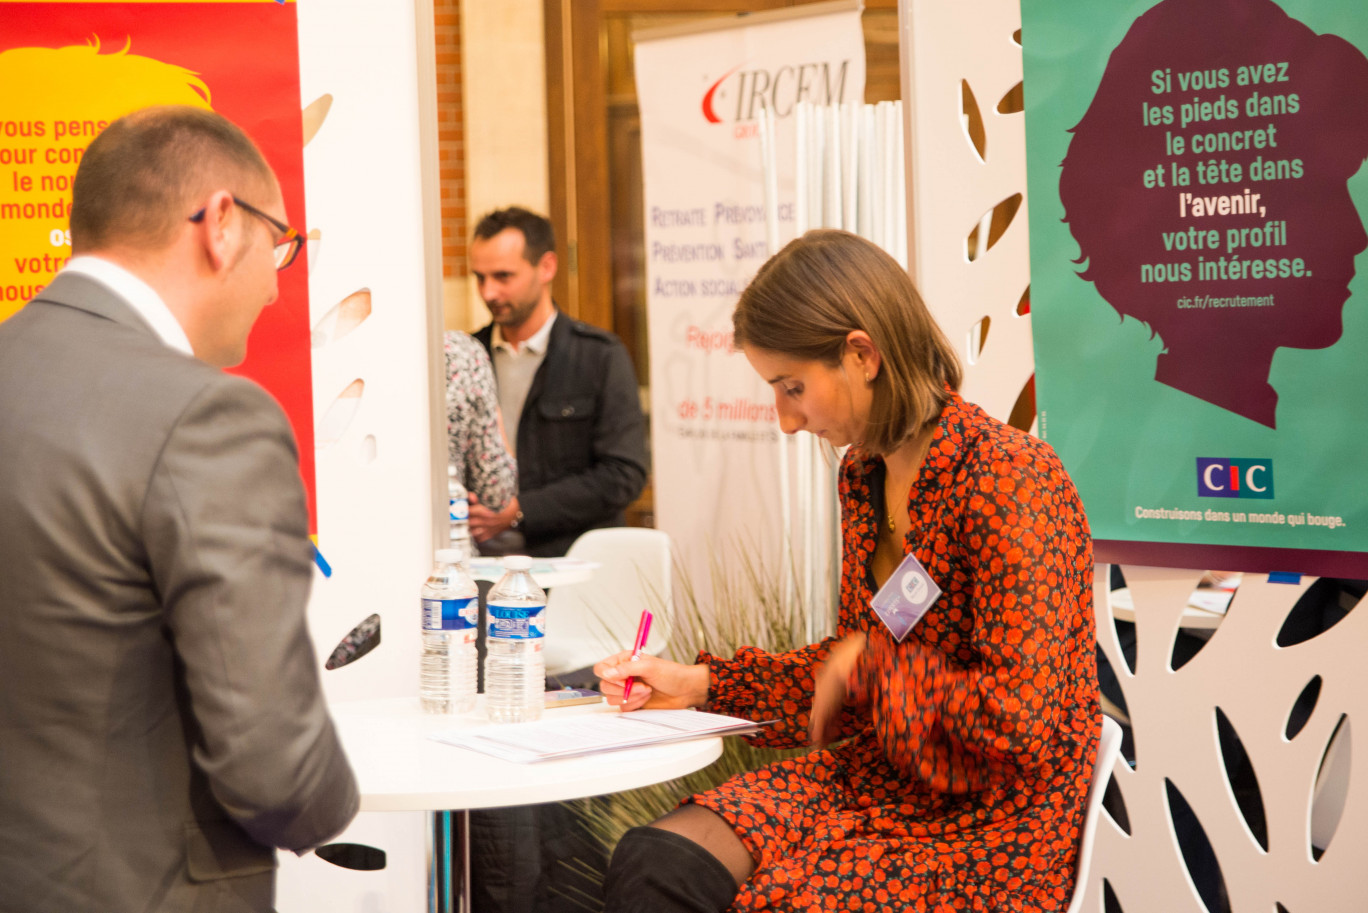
[(591, 733)]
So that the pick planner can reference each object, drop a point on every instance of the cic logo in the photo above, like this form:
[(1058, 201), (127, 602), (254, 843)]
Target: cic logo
[(1222, 478)]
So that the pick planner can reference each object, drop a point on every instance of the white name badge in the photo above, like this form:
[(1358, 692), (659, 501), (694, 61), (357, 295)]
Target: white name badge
[(904, 599)]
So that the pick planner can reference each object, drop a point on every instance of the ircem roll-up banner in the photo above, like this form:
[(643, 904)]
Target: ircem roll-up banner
[(68, 69), (714, 429), (1200, 321)]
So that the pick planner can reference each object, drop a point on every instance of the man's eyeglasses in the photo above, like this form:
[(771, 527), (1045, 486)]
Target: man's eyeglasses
[(290, 243)]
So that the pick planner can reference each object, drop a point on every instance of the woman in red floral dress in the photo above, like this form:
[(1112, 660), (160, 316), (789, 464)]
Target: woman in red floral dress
[(962, 753)]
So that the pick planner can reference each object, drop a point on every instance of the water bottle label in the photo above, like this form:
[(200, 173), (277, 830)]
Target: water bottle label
[(451, 614), (458, 509), (521, 622)]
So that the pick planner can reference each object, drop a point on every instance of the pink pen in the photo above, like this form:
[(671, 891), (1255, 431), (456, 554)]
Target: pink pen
[(643, 631)]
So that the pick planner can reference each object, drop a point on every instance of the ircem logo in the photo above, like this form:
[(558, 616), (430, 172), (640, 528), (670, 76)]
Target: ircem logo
[(1218, 477), (778, 89)]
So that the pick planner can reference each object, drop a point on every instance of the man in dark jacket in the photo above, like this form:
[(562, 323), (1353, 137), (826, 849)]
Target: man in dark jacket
[(567, 392)]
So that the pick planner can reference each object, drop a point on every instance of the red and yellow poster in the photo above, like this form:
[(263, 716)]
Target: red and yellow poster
[(69, 68)]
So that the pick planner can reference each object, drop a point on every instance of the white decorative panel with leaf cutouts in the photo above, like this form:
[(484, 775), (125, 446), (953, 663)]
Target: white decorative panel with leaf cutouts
[(1241, 755), (966, 186), (374, 293), (1243, 791)]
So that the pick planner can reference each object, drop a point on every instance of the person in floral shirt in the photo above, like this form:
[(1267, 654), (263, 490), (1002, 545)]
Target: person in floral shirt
[(475, 441)]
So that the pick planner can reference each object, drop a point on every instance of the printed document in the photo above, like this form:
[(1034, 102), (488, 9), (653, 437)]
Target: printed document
[(591, 733)]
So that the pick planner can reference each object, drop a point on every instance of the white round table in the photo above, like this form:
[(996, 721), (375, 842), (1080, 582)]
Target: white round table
[(399, 768)]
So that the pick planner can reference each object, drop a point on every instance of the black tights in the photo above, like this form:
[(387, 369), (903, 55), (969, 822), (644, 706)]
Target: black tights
[(689, 860)]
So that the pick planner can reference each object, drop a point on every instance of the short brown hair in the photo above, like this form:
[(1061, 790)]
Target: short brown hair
[(139, 177), (806, 300), (539, 238)]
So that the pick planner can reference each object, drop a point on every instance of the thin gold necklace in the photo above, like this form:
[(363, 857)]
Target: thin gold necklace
[(923, 448), (890, 511)]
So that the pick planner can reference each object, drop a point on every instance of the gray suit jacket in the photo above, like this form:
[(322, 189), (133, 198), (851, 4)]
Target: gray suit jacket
[(161, 720)]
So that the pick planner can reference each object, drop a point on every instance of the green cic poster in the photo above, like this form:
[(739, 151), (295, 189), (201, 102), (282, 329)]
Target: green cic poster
[(1199, 304)]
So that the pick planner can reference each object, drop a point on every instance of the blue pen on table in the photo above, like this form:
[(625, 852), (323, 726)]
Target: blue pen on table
[(643, 631)]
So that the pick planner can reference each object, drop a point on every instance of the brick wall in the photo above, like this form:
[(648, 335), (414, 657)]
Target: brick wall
[(451, 137)]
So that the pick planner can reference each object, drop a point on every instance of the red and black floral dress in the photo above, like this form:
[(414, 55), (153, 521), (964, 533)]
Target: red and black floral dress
[(971, 743)]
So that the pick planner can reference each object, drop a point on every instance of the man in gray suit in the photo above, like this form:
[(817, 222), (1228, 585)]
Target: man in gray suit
[(162, 726)]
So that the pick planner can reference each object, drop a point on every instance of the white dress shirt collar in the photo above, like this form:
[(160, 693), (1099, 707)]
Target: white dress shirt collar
[(137, 294)]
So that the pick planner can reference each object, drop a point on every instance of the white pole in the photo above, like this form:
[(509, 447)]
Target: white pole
[(816, 164), (849, 166), (899, 210), (893, 177), (864, 190), (770, 170), (800, 175), (832, 214), (769, 179), (877, 181)]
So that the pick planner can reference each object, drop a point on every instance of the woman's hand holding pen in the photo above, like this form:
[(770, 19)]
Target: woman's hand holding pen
[(658, 683), (829, 690)]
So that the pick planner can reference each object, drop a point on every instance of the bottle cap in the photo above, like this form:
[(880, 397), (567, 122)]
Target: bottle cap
[(448, 556), (517, 563)]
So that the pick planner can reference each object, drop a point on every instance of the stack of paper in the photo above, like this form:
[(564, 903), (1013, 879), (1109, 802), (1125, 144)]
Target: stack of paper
[(591, 733)]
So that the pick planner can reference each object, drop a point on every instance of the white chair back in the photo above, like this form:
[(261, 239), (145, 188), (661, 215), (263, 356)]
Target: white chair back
[(1332, 787), (1108, 750), (589, 621)]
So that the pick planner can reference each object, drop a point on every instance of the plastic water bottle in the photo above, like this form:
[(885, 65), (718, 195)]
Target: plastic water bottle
[(458, 509), (515, 669), (451, 614)]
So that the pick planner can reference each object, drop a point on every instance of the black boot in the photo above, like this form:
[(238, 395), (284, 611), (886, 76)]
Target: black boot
[(658, 871)]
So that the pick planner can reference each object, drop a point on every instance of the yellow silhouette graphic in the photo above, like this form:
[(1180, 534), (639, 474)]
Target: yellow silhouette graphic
[(55, 101)]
